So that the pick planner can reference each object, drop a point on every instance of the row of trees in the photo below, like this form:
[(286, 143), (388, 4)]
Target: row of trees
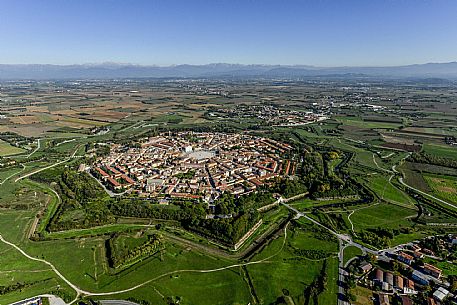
[(226, 230), (182, 211), (228, 203), (19, 286), (116, 258), (290, 187), (381, 237), (312, 254), (423, 157)]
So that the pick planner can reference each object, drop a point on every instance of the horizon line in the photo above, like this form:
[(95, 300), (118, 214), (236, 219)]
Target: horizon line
[(224, 63)]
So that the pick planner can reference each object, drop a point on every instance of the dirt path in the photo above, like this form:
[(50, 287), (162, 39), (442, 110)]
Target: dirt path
[(40, 170), (80, 292), (426, 194), (74, 287), (14, 174)]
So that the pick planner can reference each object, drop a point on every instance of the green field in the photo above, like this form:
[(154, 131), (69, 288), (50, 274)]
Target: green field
[(7, 150), (8, 173), (441, 150), (165, 269), (406, 238), (381, 185), (363, 295), (287, 272), (308, 203), (359, 122), (382, 215), (444, 187), (351, 252)]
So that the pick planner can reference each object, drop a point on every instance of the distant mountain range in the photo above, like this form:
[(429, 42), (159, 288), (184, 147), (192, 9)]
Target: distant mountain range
[(113, 71)]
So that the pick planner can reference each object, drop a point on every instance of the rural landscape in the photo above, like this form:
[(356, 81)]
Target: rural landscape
[(225, 191), (229, 152)]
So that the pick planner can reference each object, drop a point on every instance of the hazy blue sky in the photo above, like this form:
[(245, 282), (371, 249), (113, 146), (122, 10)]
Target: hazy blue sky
[(315, 32)]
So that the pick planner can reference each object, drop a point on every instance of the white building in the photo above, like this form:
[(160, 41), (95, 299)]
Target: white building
[(440, 294)]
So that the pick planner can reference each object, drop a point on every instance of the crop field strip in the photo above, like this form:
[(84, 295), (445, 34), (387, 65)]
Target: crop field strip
[(395, 209)]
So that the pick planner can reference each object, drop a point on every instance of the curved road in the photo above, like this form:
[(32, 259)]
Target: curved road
[(426, 194), (80, 291), (13, 174), (400, 179), (50, 166), (344, 240), (74, 287)]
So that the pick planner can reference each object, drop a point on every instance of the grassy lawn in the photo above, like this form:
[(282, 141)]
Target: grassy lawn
[(8, 173), (363, 295), (405, 238), (51, 209), (382, 215), (286, 271), (387, 191), (21, 196), (14, 267), (448, 268), (307, 203), (227, 287), (366, 158), (7, 150), (350, 252), (93, 274)]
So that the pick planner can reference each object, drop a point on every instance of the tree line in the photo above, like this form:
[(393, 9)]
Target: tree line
[(117, 258), (423, 157)]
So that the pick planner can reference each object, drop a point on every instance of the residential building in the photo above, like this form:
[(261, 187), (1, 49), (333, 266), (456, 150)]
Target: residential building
[(366, 267), (432, 270), (440, 294), (420, 278), (379, 276), (405, 258)]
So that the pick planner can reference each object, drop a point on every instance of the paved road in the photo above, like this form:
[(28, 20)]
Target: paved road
[(426, 194), (13, 174), (341, 275), (74, 287), (36, 149), (40, 170), (379, 167), (50, 166), (344, 241), (80, 292)]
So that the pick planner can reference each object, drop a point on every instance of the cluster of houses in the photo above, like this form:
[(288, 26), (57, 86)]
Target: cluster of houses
[(194, 165), (116, 177), (394, 284), (417, 276), (271, 115), (390, 282)]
